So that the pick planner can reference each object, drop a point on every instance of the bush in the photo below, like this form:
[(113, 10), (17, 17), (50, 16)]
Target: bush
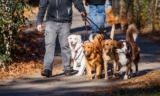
[(11, 25)]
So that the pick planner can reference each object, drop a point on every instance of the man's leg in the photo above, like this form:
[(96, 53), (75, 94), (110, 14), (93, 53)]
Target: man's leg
[(63, 34), (102, 14), (50, 39), (93, 17)]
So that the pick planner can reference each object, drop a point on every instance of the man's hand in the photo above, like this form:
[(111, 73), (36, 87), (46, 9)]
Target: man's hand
[(39, 28), (83, 14)]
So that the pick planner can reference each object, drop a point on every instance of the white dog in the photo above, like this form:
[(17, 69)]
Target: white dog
[(75, 44)]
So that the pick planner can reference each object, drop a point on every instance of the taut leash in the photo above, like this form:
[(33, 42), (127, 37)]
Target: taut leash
[(89, 21)]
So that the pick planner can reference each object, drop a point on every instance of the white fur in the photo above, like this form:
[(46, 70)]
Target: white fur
[(75, 44), (91, 37), (135, 35), (125, 77), (122, 57)]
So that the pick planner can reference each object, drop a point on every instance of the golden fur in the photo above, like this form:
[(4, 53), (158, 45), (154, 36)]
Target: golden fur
[(97, 41), (109, 55), (123, 20), (93, 55)]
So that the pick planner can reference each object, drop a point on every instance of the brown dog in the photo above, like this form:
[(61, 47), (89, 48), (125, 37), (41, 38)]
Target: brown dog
[(94, 60), (128, 51), (93, 55), (109, 55)]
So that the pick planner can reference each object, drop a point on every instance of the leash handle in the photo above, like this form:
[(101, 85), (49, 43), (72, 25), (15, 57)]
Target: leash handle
[(84, 18)]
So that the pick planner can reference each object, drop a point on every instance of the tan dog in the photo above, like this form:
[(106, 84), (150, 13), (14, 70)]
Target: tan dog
[(94, 60), (109, 55)]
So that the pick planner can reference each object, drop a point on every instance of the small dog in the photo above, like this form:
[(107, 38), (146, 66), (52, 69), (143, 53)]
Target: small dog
[(75, 44), (128, 51), (109, 56), (93, 55)]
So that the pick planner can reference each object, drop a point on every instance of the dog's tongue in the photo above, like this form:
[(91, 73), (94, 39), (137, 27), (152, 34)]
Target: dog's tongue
[(72, 44)]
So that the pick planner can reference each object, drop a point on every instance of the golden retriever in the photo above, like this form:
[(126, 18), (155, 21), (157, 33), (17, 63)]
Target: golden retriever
[(93, 55), (109, 55)]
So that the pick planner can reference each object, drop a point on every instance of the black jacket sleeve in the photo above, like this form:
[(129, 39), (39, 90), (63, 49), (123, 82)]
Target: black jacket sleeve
[(79, 5), (42, 10)]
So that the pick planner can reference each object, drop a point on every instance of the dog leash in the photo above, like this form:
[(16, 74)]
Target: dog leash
[(88, 20), (85, 23)]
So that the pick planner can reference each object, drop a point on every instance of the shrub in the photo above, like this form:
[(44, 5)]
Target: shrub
[(11, 25)]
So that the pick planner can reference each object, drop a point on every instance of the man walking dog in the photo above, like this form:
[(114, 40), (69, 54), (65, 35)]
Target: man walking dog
[(58, 22), (97, 7)]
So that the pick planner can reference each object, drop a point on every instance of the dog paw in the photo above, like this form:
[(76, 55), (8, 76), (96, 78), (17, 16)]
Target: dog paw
[(75, 68), (89, 77), (106, 78), (115, 75), (78, 74), (97, 77), (125, 77)]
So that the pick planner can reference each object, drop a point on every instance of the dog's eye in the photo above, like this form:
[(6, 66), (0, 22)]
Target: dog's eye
[(107, 44)]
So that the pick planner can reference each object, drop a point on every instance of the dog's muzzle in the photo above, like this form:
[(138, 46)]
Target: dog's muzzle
[(73, 45)]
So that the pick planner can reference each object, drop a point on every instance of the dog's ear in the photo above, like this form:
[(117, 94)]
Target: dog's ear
[(103, 43), (114, 43)]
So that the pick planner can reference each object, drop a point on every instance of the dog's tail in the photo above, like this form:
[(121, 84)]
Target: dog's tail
[(91, 37), (132, 32)]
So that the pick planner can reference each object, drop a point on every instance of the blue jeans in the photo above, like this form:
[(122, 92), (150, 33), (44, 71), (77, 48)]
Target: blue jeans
[(93, 11)]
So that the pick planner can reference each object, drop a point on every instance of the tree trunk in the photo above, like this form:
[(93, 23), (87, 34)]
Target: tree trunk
[(154, 14)]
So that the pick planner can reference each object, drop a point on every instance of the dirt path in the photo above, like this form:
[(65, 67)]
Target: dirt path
[(60, 85)]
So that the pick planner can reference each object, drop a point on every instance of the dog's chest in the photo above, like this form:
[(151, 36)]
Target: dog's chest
[(106, 57), (77, 55), (123, 60), (94, 60)]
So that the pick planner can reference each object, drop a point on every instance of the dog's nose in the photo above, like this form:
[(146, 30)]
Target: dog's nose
[(84, 51)]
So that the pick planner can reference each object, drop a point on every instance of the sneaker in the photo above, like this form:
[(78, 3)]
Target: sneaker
[(46, 73), (67, 72)]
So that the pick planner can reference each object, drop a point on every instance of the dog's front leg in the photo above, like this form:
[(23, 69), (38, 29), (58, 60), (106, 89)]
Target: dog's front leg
[(105, 69), (128, 66), (82, 67), (89, 71), (98, 71), (115, 69), (75, 66)]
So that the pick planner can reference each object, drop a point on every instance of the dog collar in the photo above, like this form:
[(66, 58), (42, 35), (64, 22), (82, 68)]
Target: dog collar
[(76, 51)]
